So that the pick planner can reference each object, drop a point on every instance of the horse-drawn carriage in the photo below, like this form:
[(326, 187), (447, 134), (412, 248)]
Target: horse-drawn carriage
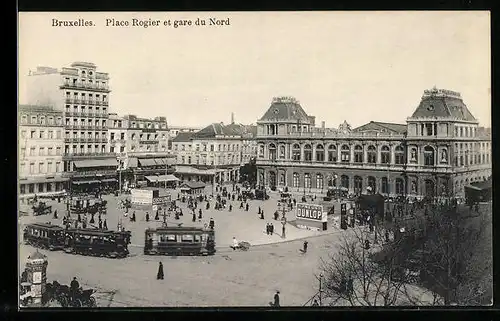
[(41, 208), (62, 294), (91, 205)]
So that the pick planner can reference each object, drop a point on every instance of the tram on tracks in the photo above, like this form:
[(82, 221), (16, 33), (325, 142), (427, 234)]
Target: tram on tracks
[(179, 241), (92, 242)]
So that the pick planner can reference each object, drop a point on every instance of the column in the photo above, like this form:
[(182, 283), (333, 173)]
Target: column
[(351, 151), (392, 147), (313, 156), (365, 153), (339, 146)]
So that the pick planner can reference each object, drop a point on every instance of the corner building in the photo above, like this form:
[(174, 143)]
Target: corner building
[(40, 152), (82, 94), (439, 150)]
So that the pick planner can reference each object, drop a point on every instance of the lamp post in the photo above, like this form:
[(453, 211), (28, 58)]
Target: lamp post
[(166, 170), (320, 289)]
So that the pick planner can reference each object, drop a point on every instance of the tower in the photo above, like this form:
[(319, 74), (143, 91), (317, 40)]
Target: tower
[(232, 118)]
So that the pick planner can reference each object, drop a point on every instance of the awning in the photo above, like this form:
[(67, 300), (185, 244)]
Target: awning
[(193, 170), (152, 179), (132, 162), (35, 180), (474, 187), (109, 162), (171, 178), (147, 162), (109, 180), (85, 182), (159, 161)]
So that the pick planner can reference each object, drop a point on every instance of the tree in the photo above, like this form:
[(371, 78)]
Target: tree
[(361, 275), (453, 252)]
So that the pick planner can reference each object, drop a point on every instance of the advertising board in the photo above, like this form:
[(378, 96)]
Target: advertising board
[(162, 200), (311, 212), (141, 196)]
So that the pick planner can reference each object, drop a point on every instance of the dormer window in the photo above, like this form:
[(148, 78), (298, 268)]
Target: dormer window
[(430, 108), (276, 111)]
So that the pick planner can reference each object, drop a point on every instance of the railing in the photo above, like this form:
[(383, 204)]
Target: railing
[(86, 114), (94, 173), (89, 154), (85, 86), (142, 141), (332, 134)]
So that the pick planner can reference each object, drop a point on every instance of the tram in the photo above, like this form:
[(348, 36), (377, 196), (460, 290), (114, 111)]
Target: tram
[(92, 242), (96, 242), (44, 236), (179, 241)]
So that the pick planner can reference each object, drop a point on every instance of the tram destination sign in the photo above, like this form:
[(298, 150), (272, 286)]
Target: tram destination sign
[(312, 212)]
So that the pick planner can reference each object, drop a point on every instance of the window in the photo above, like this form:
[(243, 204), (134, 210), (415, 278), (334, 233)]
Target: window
[(428, 156), (400, 186), (31, 188), (307, 180), (282, 151), (385, 155), (32, 151), (122, 149), (372, 154), (49, 151), (399, 155), (384, 185), (122, 136), (296, 152), (24, 119), (282, 179), (112, 149), (358, 154), (345, 154), (358, 184), (344, 181), (42, 151), (112, 136), (444, 156), (272, 152), (413, 155), (51, 134), (307, 153), (32, 168), (332, 153), (428, 129), (58, 167), (319, 181), (187, 238), (372, 184), (296, 181), (32, 134), (49, 167), (41, 168), (23, 134), (320, 154), (23, 189)]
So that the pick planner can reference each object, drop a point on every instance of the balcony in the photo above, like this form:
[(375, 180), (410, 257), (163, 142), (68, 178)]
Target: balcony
[(88, 155), (77, 174), (317, 134), (80, 85), (148, 142)]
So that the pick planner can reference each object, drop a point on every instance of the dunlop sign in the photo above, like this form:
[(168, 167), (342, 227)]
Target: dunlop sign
[(162, 200), (311, 212), (142, 196)]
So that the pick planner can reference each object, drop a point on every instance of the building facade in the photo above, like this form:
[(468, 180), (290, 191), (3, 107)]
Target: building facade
[(436, 153), (41, 146), (82, 94), (173, 131), (215, 152)]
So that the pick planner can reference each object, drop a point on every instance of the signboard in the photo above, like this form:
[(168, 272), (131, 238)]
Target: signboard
[(141, 196), (312, 212), (162, 200), (37, 277), (155, 208)]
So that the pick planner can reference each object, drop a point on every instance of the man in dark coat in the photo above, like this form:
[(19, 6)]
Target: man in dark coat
[(247, 207), (74, 287), (261, 215), (200, 214), (159, 275), (230, 207), (157, 216), (55, 214), (79, 218), (268, 228), (147, 216), (194, 217), (305, 246), (100, 224), (211, 224), (105, 225), (84, 224), (277, 299)]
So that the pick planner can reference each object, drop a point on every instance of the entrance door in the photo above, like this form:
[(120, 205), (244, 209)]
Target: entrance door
[(272, 179)]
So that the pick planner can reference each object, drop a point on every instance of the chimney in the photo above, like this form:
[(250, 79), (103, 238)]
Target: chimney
[(323, 124), (232, 118)]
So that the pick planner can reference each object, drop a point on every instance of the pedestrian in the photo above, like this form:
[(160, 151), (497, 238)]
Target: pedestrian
[(159, 275), (105, 225), (211, 224), (200, 214), (283, 234), (208, 205), (76, 224), (271, 228), (157, 217), (305, 246), (147, 217), (258, 211), (315, 303), (241, 205), (262, 215), (55, 214), (276, 215), (268, 229), (92, 221), (84, 224), (194, 217), (230, 207), (277, 299), (100, 224), (247, 207), (133, 217), (79, 218)]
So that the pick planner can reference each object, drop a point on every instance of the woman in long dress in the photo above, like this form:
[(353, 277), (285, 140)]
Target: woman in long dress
[(159, 276)]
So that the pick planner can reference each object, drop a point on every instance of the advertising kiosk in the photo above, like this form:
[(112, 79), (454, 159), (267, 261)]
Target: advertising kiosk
[(311, 216)]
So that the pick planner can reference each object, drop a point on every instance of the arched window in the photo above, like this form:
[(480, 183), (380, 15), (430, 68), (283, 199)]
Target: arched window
[(272, 179), (282, 151), (344, 181), (400, 186), (319, 181), (320, 153), (372, 183), (307, 153), (385, 155), (332, 180), (399, 154), (429, 188), (345, 154), (384, 186), (332, 153), (282, 179), (428, 156), (272, 152), (307, 180), (372, 154), (358, 154), (414, 186), (358, 184), (296, 152), (296, 181)]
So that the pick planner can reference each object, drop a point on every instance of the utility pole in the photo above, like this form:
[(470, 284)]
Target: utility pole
[(166, 170), (320, 290)]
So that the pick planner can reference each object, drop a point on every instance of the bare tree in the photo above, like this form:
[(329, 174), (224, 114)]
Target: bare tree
[(361, 275)]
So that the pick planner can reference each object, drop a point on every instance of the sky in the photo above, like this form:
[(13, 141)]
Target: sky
[(354, 66)]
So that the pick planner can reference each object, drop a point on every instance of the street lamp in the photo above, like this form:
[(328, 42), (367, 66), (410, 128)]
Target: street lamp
[(320, 289)]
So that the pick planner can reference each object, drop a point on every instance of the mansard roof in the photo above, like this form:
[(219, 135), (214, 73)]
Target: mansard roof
[(382, 127), (442, 103), (183, 137), (286, 109), (219, 129)]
